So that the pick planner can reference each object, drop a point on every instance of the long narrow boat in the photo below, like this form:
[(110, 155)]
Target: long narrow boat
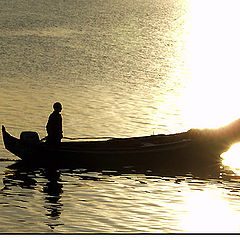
[(194, 148)]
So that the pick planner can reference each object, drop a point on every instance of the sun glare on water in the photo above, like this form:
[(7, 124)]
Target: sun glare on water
[(232, 158), (213, 50), (208, 211), (211, 100), (212, 97)]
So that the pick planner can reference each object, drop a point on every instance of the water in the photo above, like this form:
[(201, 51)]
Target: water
[(64, 201), (120, 68), (98, 60), (75, 201)]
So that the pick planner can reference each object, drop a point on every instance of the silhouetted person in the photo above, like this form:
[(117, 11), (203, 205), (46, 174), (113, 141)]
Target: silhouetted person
[(54, 125)]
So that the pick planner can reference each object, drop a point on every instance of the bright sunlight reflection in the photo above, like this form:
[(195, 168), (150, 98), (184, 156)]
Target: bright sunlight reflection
[(232, 158), (213, 51), (209, 211)]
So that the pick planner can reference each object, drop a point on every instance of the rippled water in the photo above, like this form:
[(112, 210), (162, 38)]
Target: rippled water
[(64, 201), (120, 68), (110, 63)]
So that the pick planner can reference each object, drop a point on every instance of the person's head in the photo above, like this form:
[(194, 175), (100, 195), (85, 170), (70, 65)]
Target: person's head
[(57, 106)]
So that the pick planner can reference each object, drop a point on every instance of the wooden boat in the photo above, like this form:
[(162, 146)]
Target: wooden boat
[(194, 148)]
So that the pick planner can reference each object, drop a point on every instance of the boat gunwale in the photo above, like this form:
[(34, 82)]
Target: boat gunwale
[(144, 148)]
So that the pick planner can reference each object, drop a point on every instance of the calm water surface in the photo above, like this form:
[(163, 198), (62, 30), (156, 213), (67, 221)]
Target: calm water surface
[(120, 68)]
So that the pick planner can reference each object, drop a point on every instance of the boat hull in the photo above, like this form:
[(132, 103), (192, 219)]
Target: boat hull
[(176, 151)]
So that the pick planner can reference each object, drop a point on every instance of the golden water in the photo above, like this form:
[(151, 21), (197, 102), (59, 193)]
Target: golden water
[(120, 68)]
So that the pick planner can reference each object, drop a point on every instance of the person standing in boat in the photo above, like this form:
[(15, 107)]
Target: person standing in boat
[(54, 125)]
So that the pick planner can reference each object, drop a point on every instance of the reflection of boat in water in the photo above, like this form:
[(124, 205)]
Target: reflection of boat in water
[(194, 148), (20, 175), (53, 174), (57, 196)]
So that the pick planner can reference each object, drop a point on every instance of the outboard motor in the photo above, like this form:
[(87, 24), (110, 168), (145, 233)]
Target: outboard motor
[(29, 137)]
